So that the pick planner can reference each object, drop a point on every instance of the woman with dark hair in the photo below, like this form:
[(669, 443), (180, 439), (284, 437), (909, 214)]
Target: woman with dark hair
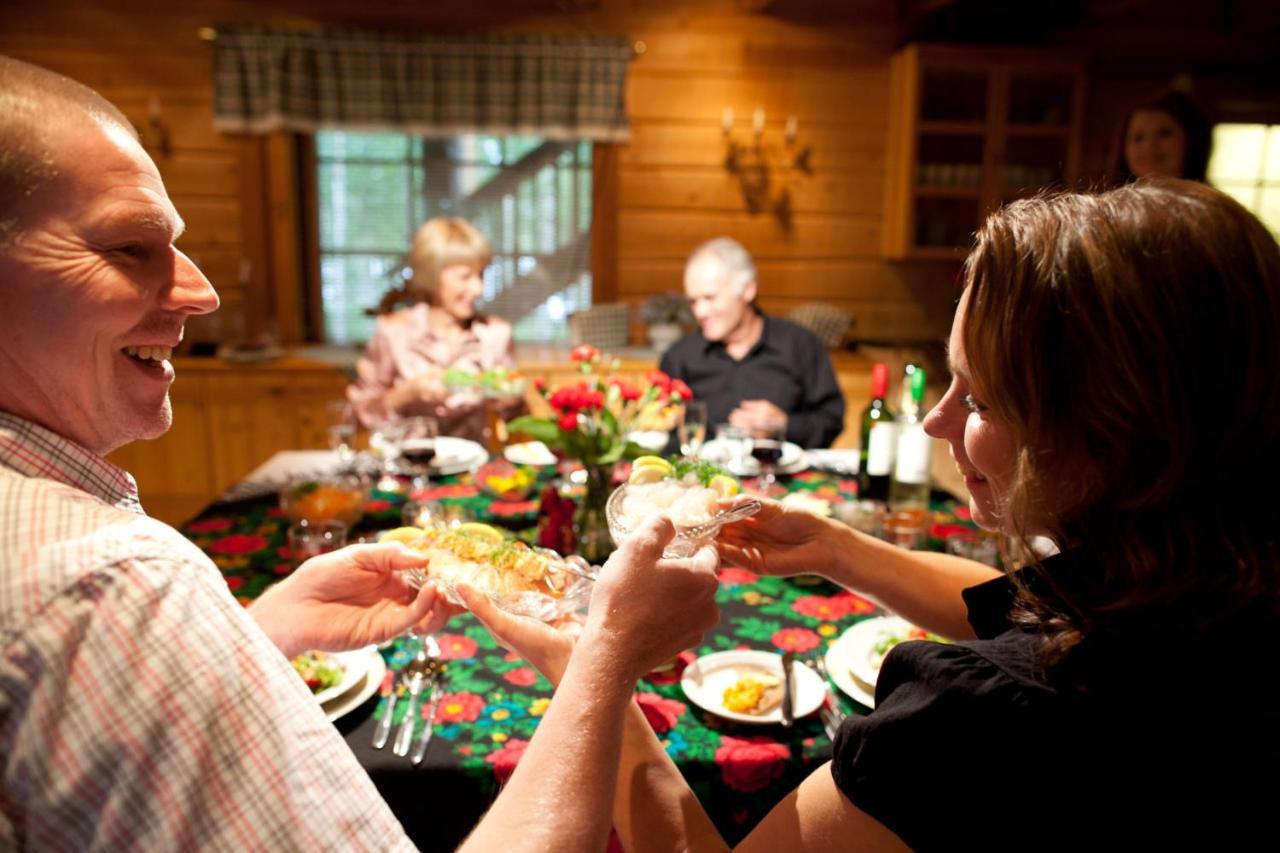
[(1114, 363), (1166, 136)]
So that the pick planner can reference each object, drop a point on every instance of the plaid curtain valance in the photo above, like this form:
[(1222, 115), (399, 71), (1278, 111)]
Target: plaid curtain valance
[(557, 87)]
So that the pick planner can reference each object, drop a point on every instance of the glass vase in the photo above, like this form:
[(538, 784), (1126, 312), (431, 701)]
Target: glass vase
[(589, 521)]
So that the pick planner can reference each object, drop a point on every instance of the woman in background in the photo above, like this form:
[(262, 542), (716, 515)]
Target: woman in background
[(1166, 136), (402, 371)]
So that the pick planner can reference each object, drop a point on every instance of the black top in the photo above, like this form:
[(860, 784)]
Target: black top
[(788, 366), (974, 746)]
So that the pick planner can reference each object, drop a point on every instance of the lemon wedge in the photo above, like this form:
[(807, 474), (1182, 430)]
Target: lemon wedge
[(483, 532), (642, 474), (724, 485), (407, 535), (655, 461)]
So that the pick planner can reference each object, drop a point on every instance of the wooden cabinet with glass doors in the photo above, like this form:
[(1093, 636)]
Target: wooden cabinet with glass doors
[(969, 130)]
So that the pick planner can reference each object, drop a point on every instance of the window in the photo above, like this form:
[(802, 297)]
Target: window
[(530, 196), (1245, 164)]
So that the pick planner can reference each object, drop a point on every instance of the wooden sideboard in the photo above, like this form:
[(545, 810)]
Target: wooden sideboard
[(229, 418)]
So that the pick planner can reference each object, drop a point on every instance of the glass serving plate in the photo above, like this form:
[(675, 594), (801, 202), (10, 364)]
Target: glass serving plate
[(689, 537), (565, 587)]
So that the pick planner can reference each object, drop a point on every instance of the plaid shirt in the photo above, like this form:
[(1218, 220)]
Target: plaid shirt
[(140, 705)]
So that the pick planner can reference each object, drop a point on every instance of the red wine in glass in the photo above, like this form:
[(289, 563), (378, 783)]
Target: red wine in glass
[(419, 451), (766, 451)]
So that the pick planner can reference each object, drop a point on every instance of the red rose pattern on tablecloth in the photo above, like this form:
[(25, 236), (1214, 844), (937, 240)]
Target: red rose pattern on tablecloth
[(238, 544), (962, 512), (661, 713), (377, 506), (503, 509), (830, 608), (942, 531), (732, 577), (522, 677), (749, 764), (504, 760), (795, 639), (209, 525), (672, 673), (459, 708), (234, 582), (457, 490), (456, 646)]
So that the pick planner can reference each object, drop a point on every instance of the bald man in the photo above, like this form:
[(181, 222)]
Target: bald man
[(754, 371)]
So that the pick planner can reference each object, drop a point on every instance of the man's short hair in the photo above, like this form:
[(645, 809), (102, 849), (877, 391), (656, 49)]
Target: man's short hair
[(734, 259), (33, 103)]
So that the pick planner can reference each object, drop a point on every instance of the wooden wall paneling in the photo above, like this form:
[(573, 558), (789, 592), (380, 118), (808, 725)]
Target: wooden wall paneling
[(250, 419), (255, 231), (652, 234), (715, 189), (604, 222), (284, 279)]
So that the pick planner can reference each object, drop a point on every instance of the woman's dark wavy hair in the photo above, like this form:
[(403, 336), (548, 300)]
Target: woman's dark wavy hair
[(1130, 340), (1197, 129)]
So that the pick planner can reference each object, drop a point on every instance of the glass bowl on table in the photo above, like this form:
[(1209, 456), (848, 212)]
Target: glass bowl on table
[(688, 495), (516, 577), (336, 497)]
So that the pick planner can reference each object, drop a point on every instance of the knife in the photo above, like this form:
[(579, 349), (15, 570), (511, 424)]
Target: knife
[(788, 714), (424, 739), (383, 729)]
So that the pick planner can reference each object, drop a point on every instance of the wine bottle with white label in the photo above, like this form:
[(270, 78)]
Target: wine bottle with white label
[(879, 440), (909, 486)]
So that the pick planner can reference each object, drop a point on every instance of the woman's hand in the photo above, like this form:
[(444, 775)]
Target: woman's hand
[(350, 598), (780, 540), (644, 609), (547, 648)]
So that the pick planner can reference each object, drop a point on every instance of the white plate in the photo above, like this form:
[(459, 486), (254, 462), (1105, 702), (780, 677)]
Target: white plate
[(705, 680), (723, 453), (354, 665), (375, 671), (529, 453), (455, 455), (650, 439), (859, 644), (837, 661)]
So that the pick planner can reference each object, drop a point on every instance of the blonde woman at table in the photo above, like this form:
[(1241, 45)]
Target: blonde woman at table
[(1114, 363), (402, 371)]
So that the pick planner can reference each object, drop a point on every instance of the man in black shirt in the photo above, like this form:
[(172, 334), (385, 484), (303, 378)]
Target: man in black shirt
[(753, 371)]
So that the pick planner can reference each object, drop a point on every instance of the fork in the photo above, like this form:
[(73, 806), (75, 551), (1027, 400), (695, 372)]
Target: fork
[(417, 672), (829, 712), (433, 702)]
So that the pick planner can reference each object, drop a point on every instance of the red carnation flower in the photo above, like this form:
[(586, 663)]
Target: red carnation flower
[(585, 352), (749, 764)]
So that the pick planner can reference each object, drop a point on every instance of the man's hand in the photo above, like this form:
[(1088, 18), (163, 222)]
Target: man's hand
[(350, 598), (645, 609), (758, 417)]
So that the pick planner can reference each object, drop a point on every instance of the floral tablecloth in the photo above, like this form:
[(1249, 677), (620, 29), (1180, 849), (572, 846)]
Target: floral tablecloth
[(493, 699)]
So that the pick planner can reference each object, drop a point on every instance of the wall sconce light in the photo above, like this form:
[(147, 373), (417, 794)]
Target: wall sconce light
[(756, 164)]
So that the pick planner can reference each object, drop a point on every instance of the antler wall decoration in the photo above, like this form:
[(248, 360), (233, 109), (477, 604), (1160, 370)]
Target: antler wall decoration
[(760, 167)]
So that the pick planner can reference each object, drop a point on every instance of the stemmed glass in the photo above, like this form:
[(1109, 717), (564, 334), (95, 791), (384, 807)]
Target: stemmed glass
[(693, 428), (342, 431), (766, 447), (418, 446), (385, 441)]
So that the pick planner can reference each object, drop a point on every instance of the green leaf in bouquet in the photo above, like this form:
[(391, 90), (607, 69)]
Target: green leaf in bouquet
[(609, 422), (613, 454), (542, 429)]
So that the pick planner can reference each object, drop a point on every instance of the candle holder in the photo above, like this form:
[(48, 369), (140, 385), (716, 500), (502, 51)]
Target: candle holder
[(765, 171)]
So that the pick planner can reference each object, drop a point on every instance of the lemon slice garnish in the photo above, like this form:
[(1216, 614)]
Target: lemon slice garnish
[(483, 532), (407, 535), (724, 485), (642, 474)]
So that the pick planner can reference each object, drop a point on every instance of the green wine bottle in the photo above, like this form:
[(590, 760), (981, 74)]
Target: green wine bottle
[(879, 437)]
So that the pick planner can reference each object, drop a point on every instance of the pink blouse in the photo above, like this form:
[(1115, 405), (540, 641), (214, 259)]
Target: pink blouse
[(404, 346)]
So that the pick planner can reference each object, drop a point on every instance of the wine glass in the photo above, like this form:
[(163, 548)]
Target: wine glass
[(766, 448), (418, 446), (341, 431), (693, 428), (384, 441)]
